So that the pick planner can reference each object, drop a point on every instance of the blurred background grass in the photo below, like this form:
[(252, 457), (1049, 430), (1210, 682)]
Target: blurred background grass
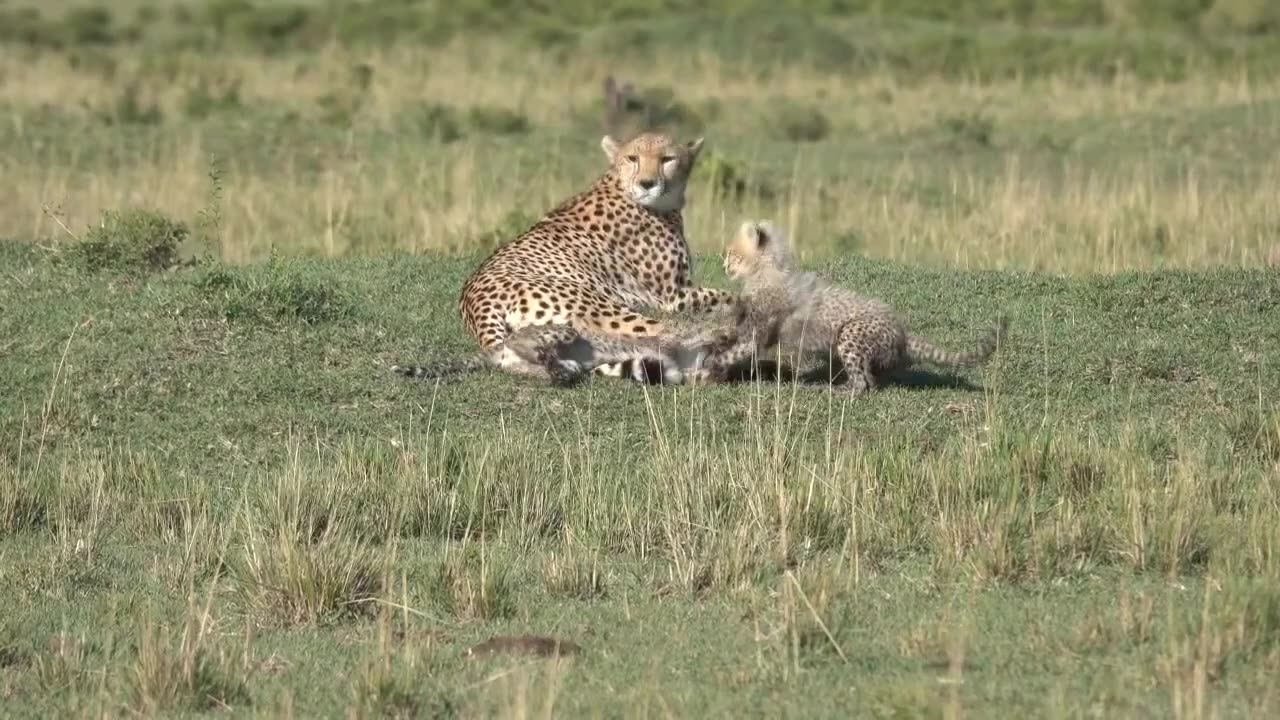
[(1069, 136)]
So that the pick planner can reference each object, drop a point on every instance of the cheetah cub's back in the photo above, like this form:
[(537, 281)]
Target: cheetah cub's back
[(803, 315)]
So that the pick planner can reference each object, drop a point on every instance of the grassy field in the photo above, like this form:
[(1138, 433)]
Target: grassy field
[(214, 497)]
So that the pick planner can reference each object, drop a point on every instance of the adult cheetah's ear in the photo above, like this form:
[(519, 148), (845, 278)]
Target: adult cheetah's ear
[(610, 146), (694, 147)]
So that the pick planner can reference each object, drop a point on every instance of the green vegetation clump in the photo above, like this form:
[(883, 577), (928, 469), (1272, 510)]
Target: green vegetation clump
[(279, 291), (727, 180), (799, 123), (497, 121), (131, 241)]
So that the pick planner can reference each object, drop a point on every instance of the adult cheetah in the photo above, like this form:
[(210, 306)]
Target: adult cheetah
[(802, 315), (600, 260)]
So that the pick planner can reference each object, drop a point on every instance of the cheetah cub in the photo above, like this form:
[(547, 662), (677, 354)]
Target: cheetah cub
[(802, 315), (565, 355)]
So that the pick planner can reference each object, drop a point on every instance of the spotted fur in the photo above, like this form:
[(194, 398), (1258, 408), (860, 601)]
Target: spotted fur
[(599, 258), (801, 315), (564, 355)]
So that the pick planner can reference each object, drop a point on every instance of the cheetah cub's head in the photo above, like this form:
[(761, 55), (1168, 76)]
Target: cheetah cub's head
[(758, 246), (652, 168)]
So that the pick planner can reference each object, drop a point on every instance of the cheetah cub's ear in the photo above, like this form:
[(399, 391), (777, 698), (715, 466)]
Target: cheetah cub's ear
[(771, 234), (767, 240), (750, 242), (610, 147), (693, 148), (759, 233)]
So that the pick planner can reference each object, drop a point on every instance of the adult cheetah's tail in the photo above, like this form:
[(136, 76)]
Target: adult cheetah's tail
[(441, 369), (921, 350)]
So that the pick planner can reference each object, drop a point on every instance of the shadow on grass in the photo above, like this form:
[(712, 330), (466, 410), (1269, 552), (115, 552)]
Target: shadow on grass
[(833, 374), (764, 372)]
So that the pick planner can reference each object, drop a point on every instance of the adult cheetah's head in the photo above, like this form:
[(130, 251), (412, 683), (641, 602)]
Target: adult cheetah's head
[(759, 245), (652, 168)]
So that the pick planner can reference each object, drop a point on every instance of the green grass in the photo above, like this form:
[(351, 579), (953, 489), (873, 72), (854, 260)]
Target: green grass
[(225, 221), (247, 509)]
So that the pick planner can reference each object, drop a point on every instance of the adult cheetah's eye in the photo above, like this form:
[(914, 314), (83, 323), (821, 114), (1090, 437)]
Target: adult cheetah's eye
[(633, 159)]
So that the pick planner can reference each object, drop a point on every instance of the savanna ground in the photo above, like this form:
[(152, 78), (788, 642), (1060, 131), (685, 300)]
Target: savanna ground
[(213, 496)]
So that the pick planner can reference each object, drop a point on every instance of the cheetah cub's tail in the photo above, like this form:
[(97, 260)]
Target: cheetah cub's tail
[(441, 369), (643, 369), (922, 350)]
